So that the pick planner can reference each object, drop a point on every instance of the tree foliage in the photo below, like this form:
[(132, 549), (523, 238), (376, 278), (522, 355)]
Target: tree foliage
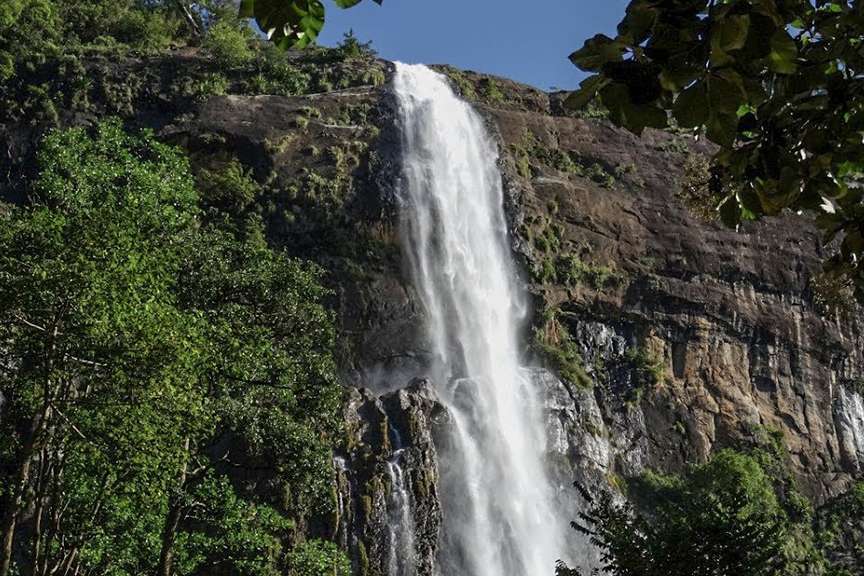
[(33, 30), (721, 518), (778, 85), (290, 23), (147, 357)]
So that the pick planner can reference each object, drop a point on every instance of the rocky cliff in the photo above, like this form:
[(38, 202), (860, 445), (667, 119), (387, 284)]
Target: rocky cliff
[(657, 337)]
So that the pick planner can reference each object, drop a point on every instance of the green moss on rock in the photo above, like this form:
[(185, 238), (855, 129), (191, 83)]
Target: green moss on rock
[(554, 342)]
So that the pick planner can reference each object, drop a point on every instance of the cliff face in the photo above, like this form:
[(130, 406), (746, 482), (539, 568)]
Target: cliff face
[(672, 336), (694, 336)]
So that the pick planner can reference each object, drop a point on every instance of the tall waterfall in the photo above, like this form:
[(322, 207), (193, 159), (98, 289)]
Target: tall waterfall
[(499, 516)]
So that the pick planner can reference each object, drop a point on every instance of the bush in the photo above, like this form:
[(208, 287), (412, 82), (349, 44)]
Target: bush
[(28, 32), (554, 342), (720, 518), (147, 31), (318, 558), (230, 189), (228, 44), (352, 47)]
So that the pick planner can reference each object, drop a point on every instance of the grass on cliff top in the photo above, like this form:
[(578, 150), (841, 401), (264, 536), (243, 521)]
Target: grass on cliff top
[(129, 62)]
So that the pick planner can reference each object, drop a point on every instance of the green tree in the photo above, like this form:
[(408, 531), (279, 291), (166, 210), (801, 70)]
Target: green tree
[(28, 31), (274, 396), (318, 558), (168, 391), (33, 32), (720, 518), (840, 531), (100, 363), (778, 85)]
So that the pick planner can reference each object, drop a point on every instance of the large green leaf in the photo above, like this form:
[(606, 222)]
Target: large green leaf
[(730, 212), (784, 53), (638, 22), (731, 33), (624, 112), (722, 128), (587, 91), (726, 92), (597, 51), (691, 107)]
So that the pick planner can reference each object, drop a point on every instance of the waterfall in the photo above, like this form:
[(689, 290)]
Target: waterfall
[(401, 523), (499, 515), (849, 421)]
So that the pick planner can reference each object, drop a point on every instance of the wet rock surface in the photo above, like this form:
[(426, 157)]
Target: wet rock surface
[(706, 335), (397, 428)]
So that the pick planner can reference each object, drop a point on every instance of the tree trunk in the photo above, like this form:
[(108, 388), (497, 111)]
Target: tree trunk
[(32, 445), (172, 523), (16, 501), (38, 534), (191, 20)]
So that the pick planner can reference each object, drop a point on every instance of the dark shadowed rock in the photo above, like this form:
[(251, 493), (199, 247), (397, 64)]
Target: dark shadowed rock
[(398, 429)]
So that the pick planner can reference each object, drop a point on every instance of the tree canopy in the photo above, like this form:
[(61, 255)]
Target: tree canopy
[(738, 514), (777, 85), (151, 352)]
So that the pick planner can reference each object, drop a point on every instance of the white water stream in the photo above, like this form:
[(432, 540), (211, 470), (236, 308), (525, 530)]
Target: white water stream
[(401, 521), (499, 513)]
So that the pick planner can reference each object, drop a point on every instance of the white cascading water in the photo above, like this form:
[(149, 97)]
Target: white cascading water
[(499, 512), (401, 520), (849, 418)]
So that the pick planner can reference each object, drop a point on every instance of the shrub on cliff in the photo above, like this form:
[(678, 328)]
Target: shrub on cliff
[(717, 519), (228, 43)]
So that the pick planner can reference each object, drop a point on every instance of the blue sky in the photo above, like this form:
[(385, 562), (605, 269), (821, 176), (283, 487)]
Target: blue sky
[(527, 40)]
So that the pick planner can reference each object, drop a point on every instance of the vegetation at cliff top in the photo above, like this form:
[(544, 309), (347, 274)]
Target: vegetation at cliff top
[(109, 58), (778, 85), (169, 403)]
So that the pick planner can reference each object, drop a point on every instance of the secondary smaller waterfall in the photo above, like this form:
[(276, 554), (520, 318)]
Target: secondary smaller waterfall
[(849, 419), (401, 520)]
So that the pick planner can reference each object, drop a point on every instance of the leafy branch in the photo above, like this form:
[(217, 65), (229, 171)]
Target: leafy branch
[(778, 85)]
